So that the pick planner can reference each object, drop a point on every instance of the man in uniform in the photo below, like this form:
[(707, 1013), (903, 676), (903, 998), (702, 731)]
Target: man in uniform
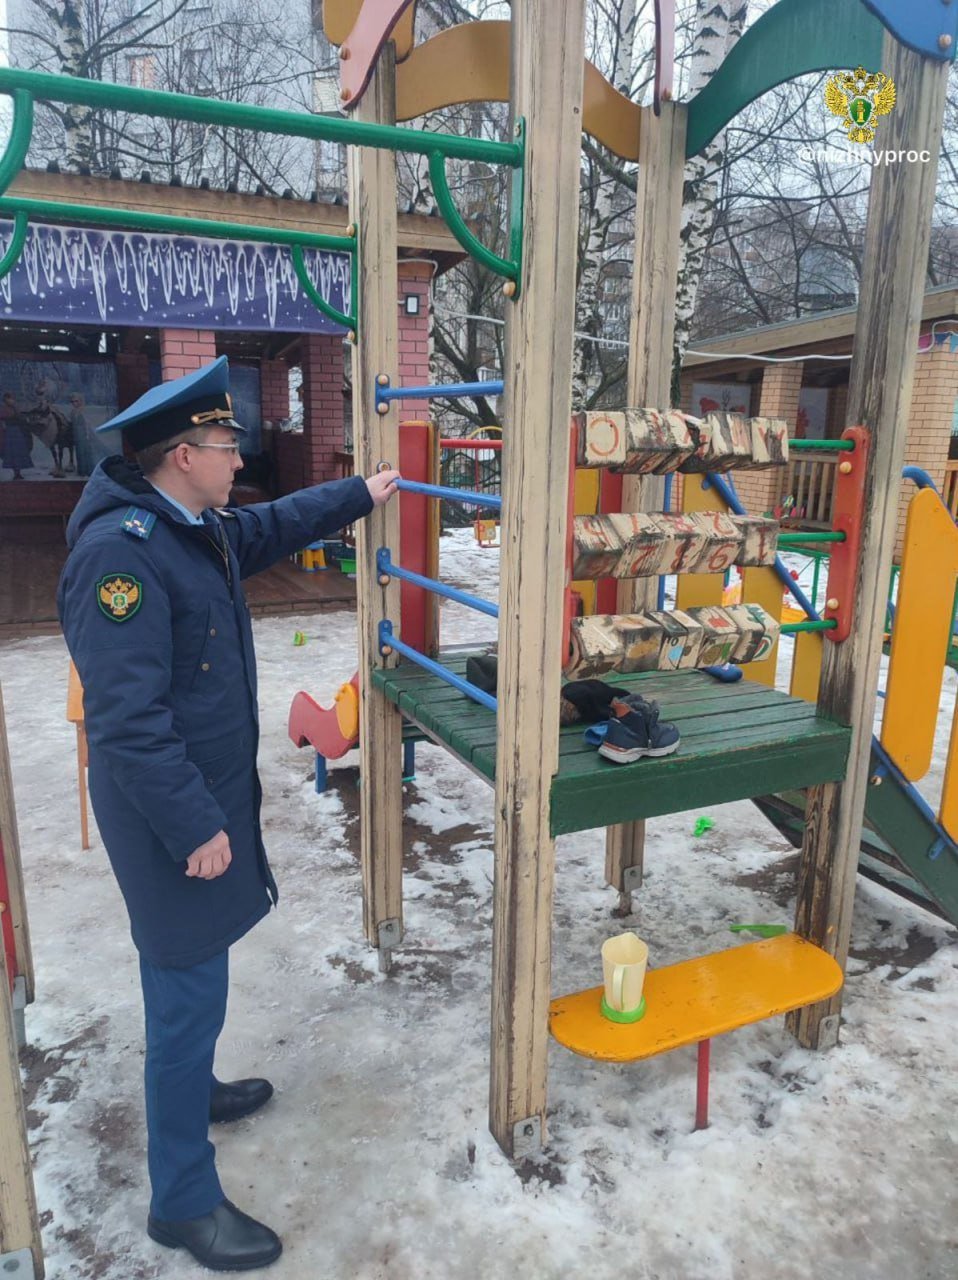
[(155, 619)]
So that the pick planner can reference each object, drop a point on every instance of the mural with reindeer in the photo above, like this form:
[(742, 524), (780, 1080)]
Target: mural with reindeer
[(48, 413)]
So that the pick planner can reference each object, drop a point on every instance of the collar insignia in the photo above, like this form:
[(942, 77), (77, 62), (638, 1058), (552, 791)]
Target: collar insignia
[(119, 596), (139, 523)]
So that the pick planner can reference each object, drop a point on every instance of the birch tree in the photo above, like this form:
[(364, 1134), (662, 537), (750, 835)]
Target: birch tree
[(251, 51), (716, 27), (601, 205)]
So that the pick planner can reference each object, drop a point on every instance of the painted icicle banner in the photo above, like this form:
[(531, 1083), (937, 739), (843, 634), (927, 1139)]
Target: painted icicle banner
[(82, 275)]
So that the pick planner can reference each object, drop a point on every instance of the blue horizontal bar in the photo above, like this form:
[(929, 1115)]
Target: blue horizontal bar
[(731, 500), (385, 565), (468, 497), (386, 637), (451, 390)]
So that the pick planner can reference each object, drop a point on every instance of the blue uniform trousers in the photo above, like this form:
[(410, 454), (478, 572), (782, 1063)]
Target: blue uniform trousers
[(185, 1010)]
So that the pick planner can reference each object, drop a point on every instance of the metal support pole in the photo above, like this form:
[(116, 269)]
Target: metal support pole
[(702, 1086)]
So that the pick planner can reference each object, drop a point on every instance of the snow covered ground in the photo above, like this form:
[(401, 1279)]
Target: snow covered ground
[(374, 1161)]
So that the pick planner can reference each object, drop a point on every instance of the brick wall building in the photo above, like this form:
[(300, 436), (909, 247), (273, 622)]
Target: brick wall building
[(142, 355), (773, 369)]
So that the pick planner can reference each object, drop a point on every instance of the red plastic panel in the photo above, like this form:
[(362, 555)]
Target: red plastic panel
[(361, 48), (6, 923), (848, 507)]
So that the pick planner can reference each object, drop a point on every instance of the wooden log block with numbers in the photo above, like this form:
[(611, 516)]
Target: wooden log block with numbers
[(724, 441), (657, 441), (665, 641), (769, 443), (620, 545)]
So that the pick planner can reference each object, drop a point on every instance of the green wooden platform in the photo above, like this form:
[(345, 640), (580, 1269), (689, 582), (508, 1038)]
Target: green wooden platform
[(738, 741)]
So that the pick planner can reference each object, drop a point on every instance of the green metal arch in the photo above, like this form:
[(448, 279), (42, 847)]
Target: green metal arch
[(792, 39), (316, 298), (15, 247), (19, 141), (457, 225)]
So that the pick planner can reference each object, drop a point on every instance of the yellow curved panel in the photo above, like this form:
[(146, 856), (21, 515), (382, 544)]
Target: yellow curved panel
[(339, 18), (470, 63), (347, 710), (920, 637)]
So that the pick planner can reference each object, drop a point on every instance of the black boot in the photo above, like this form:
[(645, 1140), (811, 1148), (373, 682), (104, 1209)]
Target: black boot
[(241, 1098), (224, 1240)]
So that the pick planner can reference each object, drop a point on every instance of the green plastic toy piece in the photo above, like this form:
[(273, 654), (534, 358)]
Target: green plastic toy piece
[(763, 930), (702, 825)]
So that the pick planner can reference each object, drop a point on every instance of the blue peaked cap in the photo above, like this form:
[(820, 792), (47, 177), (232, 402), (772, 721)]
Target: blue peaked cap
[(197, 399)]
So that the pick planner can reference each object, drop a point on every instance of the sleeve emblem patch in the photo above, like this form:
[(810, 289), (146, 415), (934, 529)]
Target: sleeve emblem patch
[(119, 596)]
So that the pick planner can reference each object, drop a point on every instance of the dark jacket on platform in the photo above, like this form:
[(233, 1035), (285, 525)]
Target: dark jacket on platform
[(160, 633)]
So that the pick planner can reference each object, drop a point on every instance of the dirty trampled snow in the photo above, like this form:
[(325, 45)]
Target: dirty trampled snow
[(374, 1161)]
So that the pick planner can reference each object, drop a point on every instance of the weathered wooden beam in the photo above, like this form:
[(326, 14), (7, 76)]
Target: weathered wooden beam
[(896, 259), (372, 201), (547, 53), (10, 839), (655, 271), (19, 1225), (416, 231)]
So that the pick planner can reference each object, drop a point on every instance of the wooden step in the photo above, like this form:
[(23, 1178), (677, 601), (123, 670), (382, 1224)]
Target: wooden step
[(675, 640), (697, 999), (642, 544)]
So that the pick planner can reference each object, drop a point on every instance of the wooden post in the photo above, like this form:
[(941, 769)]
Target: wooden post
[(10, 841), (372, 202), (547, 73), (886, 337), (658, 217), (19, 1226)]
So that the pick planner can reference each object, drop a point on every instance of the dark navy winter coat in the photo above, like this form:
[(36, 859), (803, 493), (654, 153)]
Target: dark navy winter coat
[(160, 633)]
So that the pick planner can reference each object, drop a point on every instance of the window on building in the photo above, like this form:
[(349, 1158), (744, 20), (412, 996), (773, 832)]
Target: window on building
[(141, 70)]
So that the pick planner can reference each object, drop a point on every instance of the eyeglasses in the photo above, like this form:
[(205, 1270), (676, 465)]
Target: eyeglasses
[(234, 449)]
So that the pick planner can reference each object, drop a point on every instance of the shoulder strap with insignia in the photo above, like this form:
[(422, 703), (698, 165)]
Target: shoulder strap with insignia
[(138, 523)]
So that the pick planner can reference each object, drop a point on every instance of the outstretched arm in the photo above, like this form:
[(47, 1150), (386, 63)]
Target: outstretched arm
[(265, 532)]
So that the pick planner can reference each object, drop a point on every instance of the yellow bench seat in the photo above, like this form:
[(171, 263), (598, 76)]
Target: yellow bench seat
[(697, 999)]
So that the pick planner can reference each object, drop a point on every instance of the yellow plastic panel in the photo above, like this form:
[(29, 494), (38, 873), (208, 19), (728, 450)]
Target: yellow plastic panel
[(586, 495), (700, 998), (586, 500), (920, 636), (586, 590), (347, 709), (764, 587), (75, 694), (696, 589), (948, 814), (807, 666), (470, 63)]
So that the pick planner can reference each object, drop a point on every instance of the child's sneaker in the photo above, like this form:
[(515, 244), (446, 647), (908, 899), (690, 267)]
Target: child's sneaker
[(635, 731)]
